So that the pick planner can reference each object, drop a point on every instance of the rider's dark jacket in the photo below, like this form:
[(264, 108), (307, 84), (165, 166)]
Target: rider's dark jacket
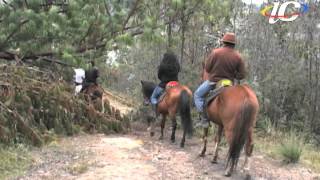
[(92, 75), (168, 70)]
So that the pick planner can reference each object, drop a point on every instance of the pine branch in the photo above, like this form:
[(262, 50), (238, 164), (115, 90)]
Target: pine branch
[(9, 4), (13, 33), (41, 56), (130, 14)]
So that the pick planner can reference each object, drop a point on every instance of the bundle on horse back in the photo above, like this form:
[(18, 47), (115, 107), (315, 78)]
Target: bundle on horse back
[(78, 78), (177, 99), (234, 111)]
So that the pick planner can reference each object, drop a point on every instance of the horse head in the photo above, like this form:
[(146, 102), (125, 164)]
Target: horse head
[(147, 90)]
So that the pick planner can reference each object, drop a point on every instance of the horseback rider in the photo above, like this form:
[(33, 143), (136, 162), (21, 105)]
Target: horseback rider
[(222, 63), (78, 78), (91, 76), (167, 71)]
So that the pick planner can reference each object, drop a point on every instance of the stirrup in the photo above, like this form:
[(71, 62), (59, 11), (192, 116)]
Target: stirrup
[(203, 121)]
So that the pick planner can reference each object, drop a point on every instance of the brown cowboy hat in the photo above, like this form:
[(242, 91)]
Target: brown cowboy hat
[(229, 38)]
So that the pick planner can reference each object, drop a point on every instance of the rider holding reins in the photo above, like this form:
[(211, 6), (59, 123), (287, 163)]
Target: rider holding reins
[(222, 63)]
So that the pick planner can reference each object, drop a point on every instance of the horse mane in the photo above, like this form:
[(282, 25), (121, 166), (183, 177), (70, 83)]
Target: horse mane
[(147, 88)]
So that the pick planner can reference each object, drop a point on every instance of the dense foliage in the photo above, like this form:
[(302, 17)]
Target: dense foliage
[(35, 106)]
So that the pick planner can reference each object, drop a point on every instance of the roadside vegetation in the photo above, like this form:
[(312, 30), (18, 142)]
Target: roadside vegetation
[(287, 146), (14, 160)]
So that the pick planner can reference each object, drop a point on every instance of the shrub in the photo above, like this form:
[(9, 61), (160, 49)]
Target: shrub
[(291, 148)]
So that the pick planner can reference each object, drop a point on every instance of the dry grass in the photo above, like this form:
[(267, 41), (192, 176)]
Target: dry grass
[(14, 161), (78, 168), (289, 148)]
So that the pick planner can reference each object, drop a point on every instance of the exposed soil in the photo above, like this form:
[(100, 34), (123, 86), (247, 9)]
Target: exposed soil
[(138, 156)]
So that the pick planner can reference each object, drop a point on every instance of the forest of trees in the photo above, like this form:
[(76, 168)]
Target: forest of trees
[(282, 59)]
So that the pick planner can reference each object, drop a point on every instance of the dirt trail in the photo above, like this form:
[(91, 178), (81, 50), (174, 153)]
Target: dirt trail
[(136, 156)]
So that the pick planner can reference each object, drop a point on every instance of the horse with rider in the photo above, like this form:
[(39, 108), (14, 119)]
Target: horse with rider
[(220, 99), (86, 82)]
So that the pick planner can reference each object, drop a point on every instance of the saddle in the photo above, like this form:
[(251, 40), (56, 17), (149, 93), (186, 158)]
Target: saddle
[(169, 85), (220, 86)]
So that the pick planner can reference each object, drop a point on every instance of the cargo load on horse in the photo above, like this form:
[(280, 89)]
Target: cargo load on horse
[(78, 79)]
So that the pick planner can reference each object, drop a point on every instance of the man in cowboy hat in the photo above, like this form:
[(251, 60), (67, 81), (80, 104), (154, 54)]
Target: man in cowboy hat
[(222, 63)]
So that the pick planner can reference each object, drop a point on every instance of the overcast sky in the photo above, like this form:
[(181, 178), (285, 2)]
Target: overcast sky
[(257, 2)]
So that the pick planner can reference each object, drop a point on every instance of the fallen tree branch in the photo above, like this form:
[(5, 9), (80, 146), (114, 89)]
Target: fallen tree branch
[(23, 127), (42, 56), (54, 61)]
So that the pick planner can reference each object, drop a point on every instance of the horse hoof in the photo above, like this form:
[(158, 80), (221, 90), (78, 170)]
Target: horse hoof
[(227, 174), (173, 141), (248, 177), (202, 155), (214, 161), (151, 134)]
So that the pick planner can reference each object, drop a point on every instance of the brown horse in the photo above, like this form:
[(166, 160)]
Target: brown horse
[(234, 111), (93, 94), (177, 99)]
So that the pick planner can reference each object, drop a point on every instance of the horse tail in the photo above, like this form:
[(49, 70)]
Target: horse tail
[(240, 132), (185, 112)]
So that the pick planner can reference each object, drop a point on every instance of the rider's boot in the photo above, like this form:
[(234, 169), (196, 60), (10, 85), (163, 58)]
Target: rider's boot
[(154, 109), (203, 120)]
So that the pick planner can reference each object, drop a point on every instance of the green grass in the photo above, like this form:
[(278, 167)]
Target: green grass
[(291, 148), (14, 161), (288, 147)]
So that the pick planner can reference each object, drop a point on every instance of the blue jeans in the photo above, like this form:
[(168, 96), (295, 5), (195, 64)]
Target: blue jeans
[(155, 95), (199, 94)]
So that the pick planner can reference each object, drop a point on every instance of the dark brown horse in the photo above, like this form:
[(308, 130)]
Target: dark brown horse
[(234, 111), (176, 100), (94, 94)]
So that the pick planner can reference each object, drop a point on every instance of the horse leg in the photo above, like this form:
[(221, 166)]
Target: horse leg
[(163, 122), (217, 140), (230, 165), (248, 151), (183, 138), (151, 126), (205, 140), (102, 104), (174, 127)]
